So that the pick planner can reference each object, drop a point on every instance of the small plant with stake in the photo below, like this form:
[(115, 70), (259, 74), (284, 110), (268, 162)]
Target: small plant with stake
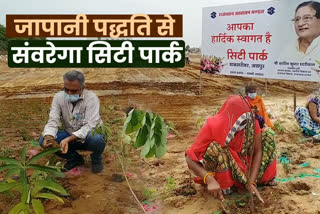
[(31, 189), (284, 159), (171, 187), (149, 193), (147, 130), (141, 129)]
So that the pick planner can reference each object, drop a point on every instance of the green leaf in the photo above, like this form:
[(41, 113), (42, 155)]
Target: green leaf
[(9, 161), (151, 115), (51, 185), (25, 186), (133, 121), (164, 135), (143, 122), (142, 137), (160, 137), (126, 138), (49, 196), (23, 155), (8, 166), (38, 186), (147, 146), (34, 143), (160, 150), (151, 142), (18, 208), (152, 134), (46, 169), (37, 206), (43, 154), (8, 186), (171, 126), (149, 119), (128, 119), (18, 188), (161, 132), (146, 201), (151, 152), (102, 129)]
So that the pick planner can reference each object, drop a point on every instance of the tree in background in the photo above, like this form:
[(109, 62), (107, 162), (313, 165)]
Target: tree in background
[(188, 48), (4, 40)]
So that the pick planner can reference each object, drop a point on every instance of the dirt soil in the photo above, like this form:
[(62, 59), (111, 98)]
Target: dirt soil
[(25, 97)]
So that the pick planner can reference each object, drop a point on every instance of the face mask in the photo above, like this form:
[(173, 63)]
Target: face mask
[(252, 95), (72, 97)]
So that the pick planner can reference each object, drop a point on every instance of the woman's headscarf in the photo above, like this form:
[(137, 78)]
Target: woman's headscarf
[(223, 128), (257, 101)]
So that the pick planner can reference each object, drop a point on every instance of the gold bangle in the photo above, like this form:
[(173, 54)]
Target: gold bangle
[(205, 177), (253, 183)]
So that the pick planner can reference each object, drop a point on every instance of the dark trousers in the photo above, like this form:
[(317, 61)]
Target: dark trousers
[(95, 143)]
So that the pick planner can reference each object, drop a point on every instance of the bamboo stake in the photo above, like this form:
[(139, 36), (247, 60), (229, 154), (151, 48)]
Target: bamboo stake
[(200, 82), (294, 101), (124, 174)]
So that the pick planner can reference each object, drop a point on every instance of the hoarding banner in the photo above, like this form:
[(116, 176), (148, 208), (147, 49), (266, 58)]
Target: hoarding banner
[(275, 39)]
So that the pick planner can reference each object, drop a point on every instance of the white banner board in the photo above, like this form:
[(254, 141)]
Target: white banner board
[(275, 39)]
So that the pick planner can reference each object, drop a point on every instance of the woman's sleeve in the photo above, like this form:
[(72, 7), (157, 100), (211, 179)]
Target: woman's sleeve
[(257, 128), (201, 143)]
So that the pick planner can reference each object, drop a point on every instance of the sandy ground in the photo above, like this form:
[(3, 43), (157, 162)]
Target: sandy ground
[(25, 96)]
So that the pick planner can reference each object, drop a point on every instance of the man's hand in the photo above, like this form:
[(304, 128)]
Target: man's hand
[(64, 145), (253, 189), (214, 188), (47, 141)]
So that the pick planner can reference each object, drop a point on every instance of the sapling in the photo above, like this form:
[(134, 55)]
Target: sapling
[(31, 187)]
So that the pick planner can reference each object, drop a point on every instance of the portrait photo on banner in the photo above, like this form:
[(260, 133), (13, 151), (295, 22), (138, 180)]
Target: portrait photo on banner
[(302, 32)]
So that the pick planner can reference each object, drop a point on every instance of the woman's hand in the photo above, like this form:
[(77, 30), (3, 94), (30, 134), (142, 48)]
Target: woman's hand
[(212, 185), (253, 189), (214, 188)]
